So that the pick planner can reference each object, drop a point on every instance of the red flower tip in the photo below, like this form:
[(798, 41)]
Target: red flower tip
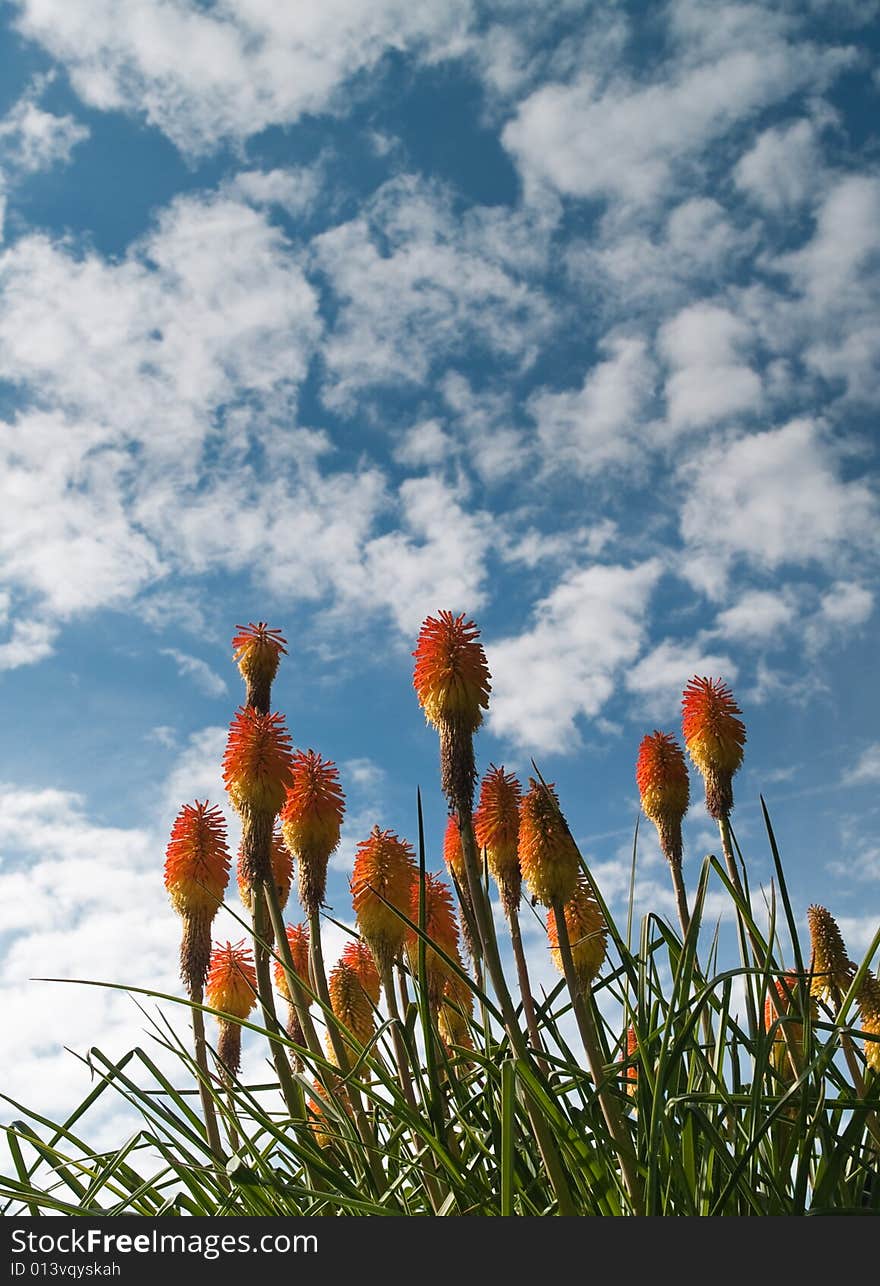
[(713, 733), (359, 959), (314, 807), (451, 677), (232, 980)]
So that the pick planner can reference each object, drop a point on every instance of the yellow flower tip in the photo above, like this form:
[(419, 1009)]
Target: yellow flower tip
[(715, 737), (282, 872), (587, 933), (451, 677), (197, 859), (496, 826), (548, 857), (832, 970), (257, 769), (359, 958), (868, 1000), (258, 650), (350, 1003), (298, 941), (384, 867), (441, 927), (232, 980)]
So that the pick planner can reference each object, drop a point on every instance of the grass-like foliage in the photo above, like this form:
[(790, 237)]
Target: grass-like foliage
[(650, 1081)]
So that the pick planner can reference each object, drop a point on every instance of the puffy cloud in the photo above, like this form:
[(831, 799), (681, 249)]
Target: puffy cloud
[(658, 679), (758, 616), (203, 677), (709, 382), (866, 769), (32, 139), (566, 662), (780, 169)]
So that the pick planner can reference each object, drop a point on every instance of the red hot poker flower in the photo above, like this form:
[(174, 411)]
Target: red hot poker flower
[(257, 768), (359, 958), (311, 820), (258, 651), (196, 875), (441, 927), (496, 829), (298, 940), (231, 987), (715, 737), (383, 865), (547, 854), (662, 779), (587, 933)]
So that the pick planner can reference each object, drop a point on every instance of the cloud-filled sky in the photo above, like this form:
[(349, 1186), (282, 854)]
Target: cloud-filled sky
[(334, 314)]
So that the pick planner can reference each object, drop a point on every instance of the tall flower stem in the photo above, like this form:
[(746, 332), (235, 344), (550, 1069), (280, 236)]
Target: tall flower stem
[(610, 1108), (743, 933), (290, 1089), (201, 1053), (525, 989)]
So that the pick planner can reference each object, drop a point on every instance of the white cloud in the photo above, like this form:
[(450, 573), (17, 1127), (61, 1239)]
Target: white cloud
[(425, 443), (417, 282), (758, 616), (229, 71), (658, 679), (709, 383), (566, 663), (294, 189), (32, 139), (608, 136), (598, 425), (772, 499), (866, 769), (205, 679), (781, 169), (29, 642)]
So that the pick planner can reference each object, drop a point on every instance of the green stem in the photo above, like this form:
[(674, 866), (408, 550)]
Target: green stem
[(201, 1053), (743, 934), (290, 1089)]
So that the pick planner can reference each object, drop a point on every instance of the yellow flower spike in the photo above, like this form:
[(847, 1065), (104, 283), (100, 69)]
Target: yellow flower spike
[(384, 867), (868, 1001), (496, 829), (715, 737), (231, 987), (257, 765), (587, 933), (831, 969), (441, 927), (352, 1007), (548, 857), (258, 651), (196, 875), (311, 820), (359, 958)]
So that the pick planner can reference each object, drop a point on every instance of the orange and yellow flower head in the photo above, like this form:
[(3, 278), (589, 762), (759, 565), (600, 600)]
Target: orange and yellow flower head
[(196, 875), (496, 829), (312, 821), (456, 1007), (587, 933), (452, 682), (257, 765), (715, 737), (258, 651), (783, 994), (868, 1000), (359, 958), (282, 872), (351, 1005), (662, 779), (298, 941), (631, 1073), (548, 857), (441, 927), (384, 867), (231, 987), (832, 970)]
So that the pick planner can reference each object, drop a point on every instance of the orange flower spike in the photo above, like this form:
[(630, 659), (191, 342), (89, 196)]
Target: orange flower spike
[(587, 933), (196, 875), (311, 820), (350, 1004), (547, 855), (383, 865), (832, 970), (451, 679), (441, 927), (257, 768), (456, 1007), (496, 829), (298, 941), (662, 779), (453, 855), (282, 872), (868, 1000), (258, 651), (780, 997), (715, 738), (359, 958), (231, 987)]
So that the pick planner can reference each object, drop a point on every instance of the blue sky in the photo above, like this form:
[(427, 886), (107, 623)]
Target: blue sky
[(336, 314)]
